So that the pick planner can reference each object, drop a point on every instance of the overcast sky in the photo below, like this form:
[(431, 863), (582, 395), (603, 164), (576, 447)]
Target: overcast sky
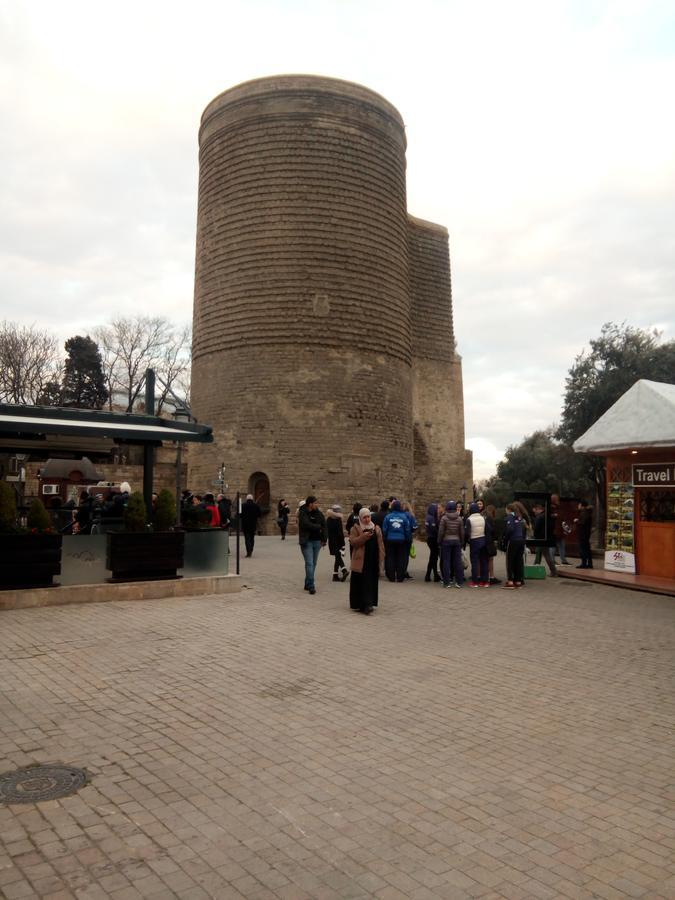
[(541, 134)]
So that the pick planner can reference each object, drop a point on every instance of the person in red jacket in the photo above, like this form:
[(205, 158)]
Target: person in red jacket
[(209, 503)]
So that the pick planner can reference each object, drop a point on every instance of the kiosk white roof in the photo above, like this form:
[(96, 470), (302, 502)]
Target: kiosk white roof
[(642, 417)]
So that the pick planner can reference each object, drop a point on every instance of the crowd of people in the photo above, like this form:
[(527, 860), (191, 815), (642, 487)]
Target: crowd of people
[(380, 540), (462, 542)]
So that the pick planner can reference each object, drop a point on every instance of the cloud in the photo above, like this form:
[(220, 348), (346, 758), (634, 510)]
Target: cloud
[(538, 133)]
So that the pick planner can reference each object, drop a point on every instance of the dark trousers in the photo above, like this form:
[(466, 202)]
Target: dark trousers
[(432, 565), (451, 562), (249, 540), (585, 553), (394, 560), (514, 561), (338, 563), (479, 560), (549, 556)]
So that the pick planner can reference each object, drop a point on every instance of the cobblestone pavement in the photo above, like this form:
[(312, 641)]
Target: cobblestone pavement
[(269, 744)]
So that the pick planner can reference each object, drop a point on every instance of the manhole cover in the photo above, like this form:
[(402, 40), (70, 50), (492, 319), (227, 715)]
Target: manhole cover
[(40, 783)]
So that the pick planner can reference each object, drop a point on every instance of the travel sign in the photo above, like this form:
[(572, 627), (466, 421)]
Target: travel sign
[(653, 474)]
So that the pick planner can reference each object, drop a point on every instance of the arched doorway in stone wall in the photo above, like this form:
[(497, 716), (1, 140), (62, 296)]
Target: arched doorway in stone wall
[(259, 486)]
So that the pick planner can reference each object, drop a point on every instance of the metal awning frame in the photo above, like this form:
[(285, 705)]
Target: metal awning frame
[(30, 422)]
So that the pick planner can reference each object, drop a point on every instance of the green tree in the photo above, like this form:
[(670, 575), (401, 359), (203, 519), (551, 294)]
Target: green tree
[(7, 509), (83, 380), (51, 395), (135, 513), (38, 517), (165, 511), (539, 463), (617, 359)]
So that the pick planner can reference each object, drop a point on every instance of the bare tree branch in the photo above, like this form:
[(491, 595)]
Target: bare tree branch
[(130, 346), (29, 360)]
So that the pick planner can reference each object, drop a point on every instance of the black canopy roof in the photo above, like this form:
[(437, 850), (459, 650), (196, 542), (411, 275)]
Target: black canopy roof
[(23, 427)]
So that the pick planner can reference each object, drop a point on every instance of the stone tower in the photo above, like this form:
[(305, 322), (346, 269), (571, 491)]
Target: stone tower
[(312, 287)]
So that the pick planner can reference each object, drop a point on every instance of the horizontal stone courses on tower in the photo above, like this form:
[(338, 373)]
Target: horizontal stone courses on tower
[(311, 298)]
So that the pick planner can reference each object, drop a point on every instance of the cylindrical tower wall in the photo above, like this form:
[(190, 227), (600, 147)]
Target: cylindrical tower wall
[(302, 335), (442, 464)]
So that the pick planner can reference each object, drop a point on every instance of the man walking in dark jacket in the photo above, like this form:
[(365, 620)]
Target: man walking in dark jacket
[(250, 513), (584, 523), (312, 537)]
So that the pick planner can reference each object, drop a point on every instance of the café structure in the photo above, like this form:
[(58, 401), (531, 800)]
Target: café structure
[(636, 437)]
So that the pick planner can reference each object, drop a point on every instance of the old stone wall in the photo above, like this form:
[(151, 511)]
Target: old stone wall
[(442, 464), (302, 347)]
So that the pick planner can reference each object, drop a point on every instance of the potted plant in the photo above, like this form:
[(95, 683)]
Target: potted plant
[(29, 557), (138, 554)]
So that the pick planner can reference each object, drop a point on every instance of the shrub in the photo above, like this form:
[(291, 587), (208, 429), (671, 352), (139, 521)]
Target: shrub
[(135, 513), (7, 509), (38, 517), (165, 511), (195, 518)]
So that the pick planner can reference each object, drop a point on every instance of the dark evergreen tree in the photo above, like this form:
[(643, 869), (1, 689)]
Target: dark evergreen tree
[(539, 463), (83, 381), (51, 395)]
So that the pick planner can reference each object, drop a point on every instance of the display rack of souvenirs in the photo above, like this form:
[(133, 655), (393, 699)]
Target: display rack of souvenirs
[(620, 510)]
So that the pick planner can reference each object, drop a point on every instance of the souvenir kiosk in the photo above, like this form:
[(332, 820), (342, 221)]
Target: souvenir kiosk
[(637, 438)]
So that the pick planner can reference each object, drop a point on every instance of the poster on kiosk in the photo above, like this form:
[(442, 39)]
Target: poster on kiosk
[(620, 548)]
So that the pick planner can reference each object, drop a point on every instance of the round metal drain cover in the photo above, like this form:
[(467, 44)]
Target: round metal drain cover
[(41, 783)]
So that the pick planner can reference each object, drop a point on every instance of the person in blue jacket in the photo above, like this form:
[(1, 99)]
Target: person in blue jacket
[(514, 539), (397, 534)]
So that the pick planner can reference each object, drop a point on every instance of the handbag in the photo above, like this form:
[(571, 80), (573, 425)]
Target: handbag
[(492, 548), (465, 559), (280, 520), (413, 552)]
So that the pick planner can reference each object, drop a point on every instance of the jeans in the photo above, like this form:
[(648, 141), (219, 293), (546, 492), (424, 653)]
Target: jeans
[(560, 547), (310, 551)]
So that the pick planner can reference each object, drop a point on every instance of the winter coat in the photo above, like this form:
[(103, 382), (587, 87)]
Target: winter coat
[(584, 523), (311, 525), (225, 510), (336, 532), (212, 509), (516, 530), (431, 522), (250, 513), (357, 539), (543, 528), (396, 527), (451, 528), (474, 527)]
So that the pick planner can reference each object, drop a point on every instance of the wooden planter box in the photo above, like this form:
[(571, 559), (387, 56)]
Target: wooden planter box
[(29, 560), (147, 556)]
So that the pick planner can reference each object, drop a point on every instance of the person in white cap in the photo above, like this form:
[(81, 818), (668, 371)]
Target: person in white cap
[(336, 541), (250, 513)]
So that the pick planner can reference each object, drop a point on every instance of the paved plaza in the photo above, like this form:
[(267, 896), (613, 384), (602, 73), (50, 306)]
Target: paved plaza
[(269, 744)]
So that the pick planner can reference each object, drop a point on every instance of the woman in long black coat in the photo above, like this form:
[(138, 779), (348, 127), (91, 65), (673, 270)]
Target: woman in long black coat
[(367, 546)]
